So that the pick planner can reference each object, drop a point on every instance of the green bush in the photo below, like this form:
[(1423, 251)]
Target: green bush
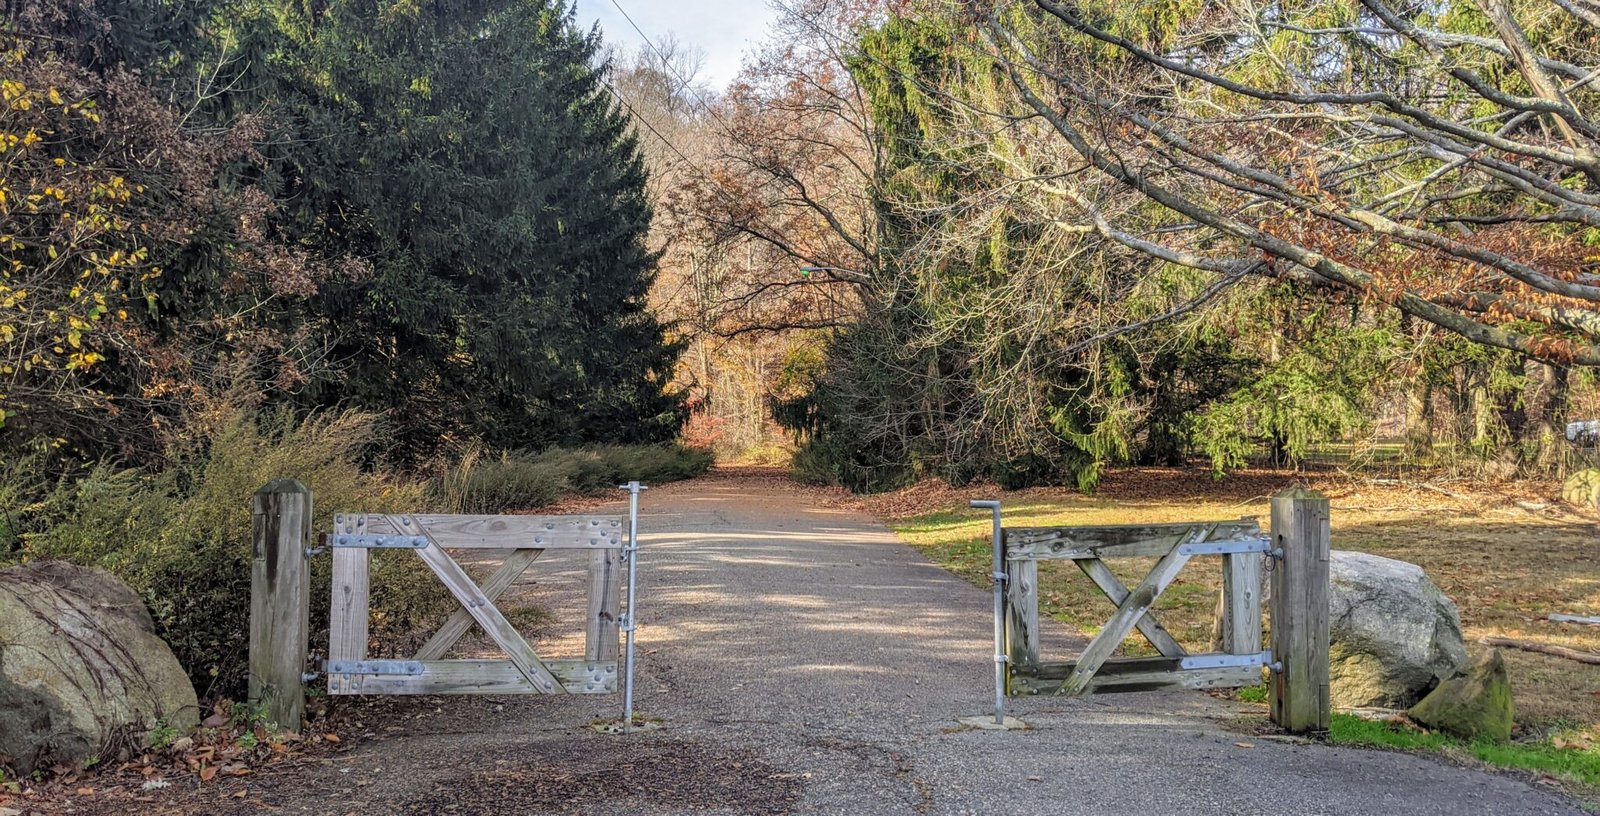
[(525, 481), (182, 538)]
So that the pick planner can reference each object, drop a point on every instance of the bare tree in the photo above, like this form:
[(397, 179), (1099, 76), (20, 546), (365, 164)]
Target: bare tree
[(1384, 150)]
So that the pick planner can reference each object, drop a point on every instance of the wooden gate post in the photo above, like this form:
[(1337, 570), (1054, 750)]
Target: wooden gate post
[(1298, 691), (280, 601)]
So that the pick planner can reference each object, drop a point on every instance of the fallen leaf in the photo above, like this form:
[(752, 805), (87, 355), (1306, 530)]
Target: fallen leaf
[(208, 773), (238, 794), (215, 721), (331, 737), (1245, 744), (85, 791)]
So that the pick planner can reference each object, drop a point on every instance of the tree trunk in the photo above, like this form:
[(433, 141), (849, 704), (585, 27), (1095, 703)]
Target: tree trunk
[(1419, 420), (1544, 435)]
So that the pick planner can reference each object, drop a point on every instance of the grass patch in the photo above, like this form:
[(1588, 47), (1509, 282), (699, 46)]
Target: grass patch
[(1252, 694), (1577, 765)]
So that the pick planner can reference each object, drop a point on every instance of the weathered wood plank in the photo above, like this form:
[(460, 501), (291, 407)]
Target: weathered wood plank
[(1241, 592), (1297, 695), (1132, 674), (479, 677), (1114, 589), (1128, 613), (493, 587), (1117, 541), (1022, 612), (506, 532), (601, 638), (511, 532), (348, 622), (280, 600), (494, 624)]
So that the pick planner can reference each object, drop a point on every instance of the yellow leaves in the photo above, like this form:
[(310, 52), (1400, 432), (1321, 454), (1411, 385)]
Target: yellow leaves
[(11, 89), (83, 361), (55, 97)]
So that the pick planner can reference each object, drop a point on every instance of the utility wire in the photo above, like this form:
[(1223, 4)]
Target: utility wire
[(667, 64)]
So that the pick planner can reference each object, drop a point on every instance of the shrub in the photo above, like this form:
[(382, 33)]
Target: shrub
[(523, 481), (182, 538)]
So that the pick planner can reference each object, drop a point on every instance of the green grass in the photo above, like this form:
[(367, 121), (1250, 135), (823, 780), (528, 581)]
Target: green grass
[(1581, 765), (1252, 694)]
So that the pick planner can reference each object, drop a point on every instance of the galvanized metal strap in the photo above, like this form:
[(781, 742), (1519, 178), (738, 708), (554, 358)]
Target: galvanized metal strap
[(404, 667)]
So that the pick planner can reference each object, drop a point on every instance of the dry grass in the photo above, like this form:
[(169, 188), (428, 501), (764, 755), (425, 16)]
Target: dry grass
[(1507, 554)]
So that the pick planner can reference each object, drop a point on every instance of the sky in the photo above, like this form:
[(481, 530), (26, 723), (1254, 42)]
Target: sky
[(723, 29)]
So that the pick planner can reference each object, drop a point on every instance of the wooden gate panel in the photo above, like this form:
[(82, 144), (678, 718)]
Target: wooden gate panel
[(479, 677), (1239, 543), (347, 623), (493, 587), (522, 671)]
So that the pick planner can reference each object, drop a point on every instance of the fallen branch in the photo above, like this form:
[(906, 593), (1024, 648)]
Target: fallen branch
[(1556, 618), (1543, 648), (1420, 486)]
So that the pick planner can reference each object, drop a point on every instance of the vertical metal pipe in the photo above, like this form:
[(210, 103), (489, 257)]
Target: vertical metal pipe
[(630, 620), (999, 576)]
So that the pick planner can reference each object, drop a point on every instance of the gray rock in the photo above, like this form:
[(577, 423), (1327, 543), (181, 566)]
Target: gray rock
[(1473, 706), (1583, 489), (1395, 636), (82, 673)]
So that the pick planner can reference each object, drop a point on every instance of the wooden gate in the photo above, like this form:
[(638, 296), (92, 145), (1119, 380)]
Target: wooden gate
[(523, 671), (1241, 547), (1296, 552)]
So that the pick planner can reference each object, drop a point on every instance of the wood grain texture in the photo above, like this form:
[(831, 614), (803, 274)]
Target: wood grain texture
[(1129, 612), (487, 616), (1114, 589), (480, 677), (493, 587), (1118, 541), (1297, 695), (1131, 674), (601, 636), (507, 532), (348, 624), (1022, 612), (280, 600), (1241, 593)]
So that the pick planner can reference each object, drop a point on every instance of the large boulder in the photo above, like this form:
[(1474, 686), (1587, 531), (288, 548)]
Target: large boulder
[(1394, 635), (1473, 705), (1583, 489), (82, 673)]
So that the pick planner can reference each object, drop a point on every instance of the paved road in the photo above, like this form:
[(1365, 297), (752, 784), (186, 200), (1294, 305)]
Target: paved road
[(805, 661)]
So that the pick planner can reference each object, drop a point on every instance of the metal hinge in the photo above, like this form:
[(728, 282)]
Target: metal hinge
[(375, 542), (1228, 546), (1225, 661), (409, 667)]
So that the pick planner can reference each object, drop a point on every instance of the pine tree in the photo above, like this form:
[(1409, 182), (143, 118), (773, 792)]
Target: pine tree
[(467, 152)]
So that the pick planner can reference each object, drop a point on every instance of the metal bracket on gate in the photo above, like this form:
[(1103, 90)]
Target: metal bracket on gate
[(411, 667), (1225, 661), (377, 542), (1228, 546)]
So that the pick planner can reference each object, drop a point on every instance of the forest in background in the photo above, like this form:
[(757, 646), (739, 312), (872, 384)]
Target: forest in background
[(1029, 240), (398, 252)]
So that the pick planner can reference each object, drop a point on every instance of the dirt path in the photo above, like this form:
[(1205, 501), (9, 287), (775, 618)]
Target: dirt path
[(805, 661)]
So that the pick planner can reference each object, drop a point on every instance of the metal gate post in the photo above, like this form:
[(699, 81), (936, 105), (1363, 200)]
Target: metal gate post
[(1000, 657), (630, 620)]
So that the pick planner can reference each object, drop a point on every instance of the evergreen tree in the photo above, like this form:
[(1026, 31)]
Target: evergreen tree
[(468, 155)]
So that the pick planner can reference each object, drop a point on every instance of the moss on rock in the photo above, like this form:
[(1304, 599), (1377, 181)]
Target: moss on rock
[(1473, 705)]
